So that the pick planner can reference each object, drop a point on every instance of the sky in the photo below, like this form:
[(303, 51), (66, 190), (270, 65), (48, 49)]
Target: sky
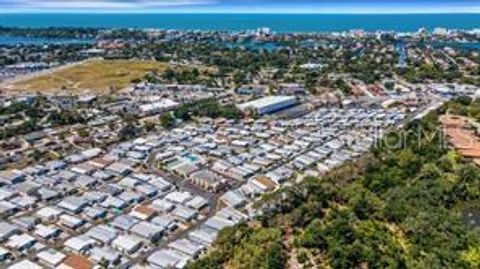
[(243, 6)]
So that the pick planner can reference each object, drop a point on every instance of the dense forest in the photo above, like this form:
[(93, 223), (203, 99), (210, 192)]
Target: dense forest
[(399, 206)]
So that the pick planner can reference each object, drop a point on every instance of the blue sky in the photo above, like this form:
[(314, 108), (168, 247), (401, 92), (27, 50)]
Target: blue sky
[(244, 6)]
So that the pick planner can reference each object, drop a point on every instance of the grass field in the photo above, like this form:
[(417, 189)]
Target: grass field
[(96, 75)]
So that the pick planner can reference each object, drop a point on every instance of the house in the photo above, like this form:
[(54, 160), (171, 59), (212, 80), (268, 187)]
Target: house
[(127, 244), (187, 247), (165, 258), (162, 205), (91, 153), (105, 254), (185, 169), (114, 203), (73, 204), (75, 158), (56, 165), (143, 212), (197, 203), (84, 168), (178, 197), (7, 230), (35, 136), (184, 214), (131, 197), (79, 244), (150, 231), (27, 223), (167, 222), (48, 213), (25, 264), (291, 89), (124, 222), (119, 169), (218, 223), (204, 235), (264, 183), (8, 208), (161, 184), (129, 182), (76, 262), (66, 175), (27, 188), (46, 194), (258, 90), (47, 232), (21, 242), (51, 257), (4, 254), (234, 198), (101, 162), (71, 222), (207, 180), (11, 177), (232, 214), (103, 234), (94, 196), (147, 190), (85, 181), (94, 213)]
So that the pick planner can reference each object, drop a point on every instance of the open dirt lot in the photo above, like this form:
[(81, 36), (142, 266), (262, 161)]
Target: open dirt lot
[(96, 76)]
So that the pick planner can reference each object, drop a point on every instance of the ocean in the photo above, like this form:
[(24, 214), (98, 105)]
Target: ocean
[(238, 22)]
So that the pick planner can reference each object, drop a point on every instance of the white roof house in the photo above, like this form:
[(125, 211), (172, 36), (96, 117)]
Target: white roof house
[(187, 247), (46, 232), (179, 197), (204, 235), (197, 203), (71, 221), (25, 264), (234, 198), (4, 254), (148, 230), (80, 244), (128, 244), (166, 258), (218, 223), (162, 205), (73, 204), (21, 242), (7, 230), (51, 257), (105, 254), (102, 233)]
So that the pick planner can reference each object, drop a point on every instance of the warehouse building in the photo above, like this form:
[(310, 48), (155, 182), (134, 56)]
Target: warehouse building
[(268, 104)]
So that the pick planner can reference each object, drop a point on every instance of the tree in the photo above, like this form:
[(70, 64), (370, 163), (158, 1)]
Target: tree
[(128, 131), (149, 126), (167, 120)]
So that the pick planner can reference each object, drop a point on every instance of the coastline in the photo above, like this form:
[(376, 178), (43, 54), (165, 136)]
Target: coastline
[(281, 23)]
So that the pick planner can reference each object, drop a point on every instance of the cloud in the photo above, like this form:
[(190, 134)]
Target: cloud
[(100, 4)]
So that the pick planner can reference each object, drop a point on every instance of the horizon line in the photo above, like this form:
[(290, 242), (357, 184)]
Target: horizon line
[(128, 12)]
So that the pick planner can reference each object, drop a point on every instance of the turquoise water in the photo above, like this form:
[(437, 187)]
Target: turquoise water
[(192, 159), (13, 40), (236, 22), (458, 45)]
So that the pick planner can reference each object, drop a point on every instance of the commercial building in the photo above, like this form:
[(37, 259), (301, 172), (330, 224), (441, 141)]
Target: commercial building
[(268, 104)]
